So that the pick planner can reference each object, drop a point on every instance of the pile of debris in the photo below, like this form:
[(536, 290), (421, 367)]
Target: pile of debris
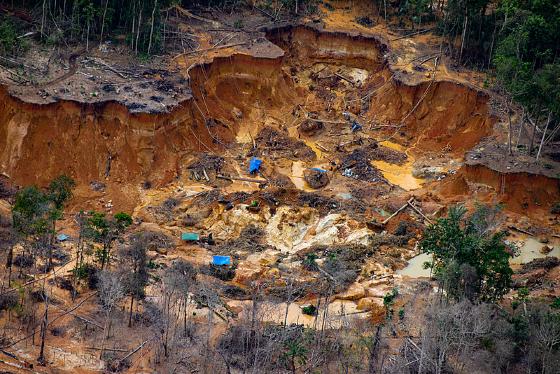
[(357, 165), (279, 145), (316, 178), (311, 126), (206, 167)]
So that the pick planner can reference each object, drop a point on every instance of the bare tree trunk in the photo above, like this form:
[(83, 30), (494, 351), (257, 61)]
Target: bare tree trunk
[(463, 36), (152, 27), (533, 135), (103, 23), (133, 28), (521, 126), (138, 29), (130, 313), (87, 37), (43, 16), (44, 325), (373, 353), (105, 335), (543, 136), (9, 261), (385, 7), (509, 128), (492, 45)]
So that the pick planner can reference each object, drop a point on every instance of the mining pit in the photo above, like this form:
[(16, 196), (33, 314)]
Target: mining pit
[(299, 98)]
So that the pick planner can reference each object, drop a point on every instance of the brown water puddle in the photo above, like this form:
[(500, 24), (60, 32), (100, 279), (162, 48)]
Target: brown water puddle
[(530, 250), (400, 175), (415, 267), (297, 176)]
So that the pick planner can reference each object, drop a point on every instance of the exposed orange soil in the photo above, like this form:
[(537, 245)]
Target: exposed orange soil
[(80, 139)]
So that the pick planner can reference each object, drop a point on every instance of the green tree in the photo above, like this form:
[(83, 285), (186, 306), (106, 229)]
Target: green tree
[(29, 216), (10, 44), (105, 231), (470, 259), (29, 210)]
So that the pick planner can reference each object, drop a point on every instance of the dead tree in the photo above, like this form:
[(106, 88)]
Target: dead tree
[(543, 135), (111, 291)]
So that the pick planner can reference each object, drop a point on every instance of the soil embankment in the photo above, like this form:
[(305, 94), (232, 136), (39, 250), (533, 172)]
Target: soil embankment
[(320, 75)]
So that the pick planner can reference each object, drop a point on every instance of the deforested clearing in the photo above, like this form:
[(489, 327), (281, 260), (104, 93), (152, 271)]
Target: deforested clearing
[(283, 186)]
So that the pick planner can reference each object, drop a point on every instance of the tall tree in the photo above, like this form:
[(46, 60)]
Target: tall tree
[(135, 259), (105, 231), (470, 258)]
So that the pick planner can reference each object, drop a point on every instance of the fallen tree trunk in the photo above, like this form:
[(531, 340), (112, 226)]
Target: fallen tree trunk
[(251, 180), (418, 211), (520, 230), (398, 211)]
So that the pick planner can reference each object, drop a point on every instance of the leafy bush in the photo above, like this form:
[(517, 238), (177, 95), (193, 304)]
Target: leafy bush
[(390, 297), (87, 272), (309, 262), (225, 273), (364, 21)]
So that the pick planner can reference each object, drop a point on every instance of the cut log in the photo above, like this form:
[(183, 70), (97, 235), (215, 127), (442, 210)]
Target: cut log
[(108, 349), (346, 79)]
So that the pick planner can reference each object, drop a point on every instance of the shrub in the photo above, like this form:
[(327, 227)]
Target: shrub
[(309, 310), (390, 297), (309, 262)]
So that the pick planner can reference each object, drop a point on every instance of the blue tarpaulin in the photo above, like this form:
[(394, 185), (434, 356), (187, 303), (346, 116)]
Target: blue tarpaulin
[(356, 126), (62, 237), (254, 165), (190, 236), (221, 260), (319, 170)]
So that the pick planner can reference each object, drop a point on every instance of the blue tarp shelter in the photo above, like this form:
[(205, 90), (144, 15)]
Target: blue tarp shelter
[(190, 236), (221, 260), (254, 165), (62, 237)]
